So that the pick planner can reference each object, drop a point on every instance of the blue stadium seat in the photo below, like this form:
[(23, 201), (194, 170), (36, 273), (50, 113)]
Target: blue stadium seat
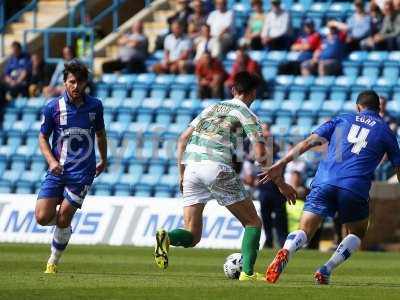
[(184, 80), (162, 191), (306, 3), (122, 189), (132, 103), (344, 81), (317, 13), (19, 102), (371, 69), (143, 119), (359, 56), (155, 172), (162, 120), (377, 56), (152, 103), (118, 126), (145, 78), (270, 105), (112, 102), (168, 146), (258, 55), (192, 104), (129, 144), (159, 92), (10, 117), (135, 170), (332, 105), (291, 104), (297, 13), (143, 190), (293, 55), (36, 102), (391, 70), (30, 146), (5, 186), (351, 68), (279, 93), (339, 93), (29, 115), (37, 169), (326, 81), (177, 94), (349, 105), (102, 189), (312, 105), (394, 56), (364, 82), (151, 145), (318, 93), (297, 93), (304, 81), (127, 79), (278, 56), (120, 91), (339, 10), (3, 163), (23, 187), (139, 91), (282, 123), (396, 94), (17, 167), (109, 78), (285, 80), (14, 140), (269, 69), (102, 90), (394, 106)]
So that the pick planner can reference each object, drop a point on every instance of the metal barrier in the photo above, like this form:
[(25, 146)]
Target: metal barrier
[(32, 6), (70, 32)]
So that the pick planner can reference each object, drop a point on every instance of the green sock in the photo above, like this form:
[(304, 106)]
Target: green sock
[(250, 246), (180, 237)]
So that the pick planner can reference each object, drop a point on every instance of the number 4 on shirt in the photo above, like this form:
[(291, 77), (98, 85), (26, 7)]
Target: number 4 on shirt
[(358, 138)]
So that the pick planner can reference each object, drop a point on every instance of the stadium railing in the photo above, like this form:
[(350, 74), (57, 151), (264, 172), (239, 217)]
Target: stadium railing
[(32, 6)]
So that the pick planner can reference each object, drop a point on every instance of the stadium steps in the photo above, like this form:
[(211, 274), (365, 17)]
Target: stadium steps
[(153, 16)]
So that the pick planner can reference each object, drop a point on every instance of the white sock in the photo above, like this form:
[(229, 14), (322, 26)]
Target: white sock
[(60, 241), (294, 241), (348, 245)]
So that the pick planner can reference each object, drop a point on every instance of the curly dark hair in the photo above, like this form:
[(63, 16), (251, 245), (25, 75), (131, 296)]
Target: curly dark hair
[(76, 68)]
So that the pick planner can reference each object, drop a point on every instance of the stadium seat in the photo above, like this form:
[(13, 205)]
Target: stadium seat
[(3, 163), (102, 90), (102, 189), (120, 91), (359, 56), (127, 79), (304, 81), (17, 167), (291, 104), (279, 93), (312, 105), (339, 10), (143, 190), (112, 102), (394, 106), (30, 146), (351, 68), (332, 105), (143, 119), (37, 169), (110, 78), (178, 93), (36, 102), (139, 91), (377, 56), (391, 70), (371, 69), (129, 144), (270, 105), (162, 120), (318, 93), (162, 191), (10, 117), (121, 189), (14, 140), (19, 102), (23, 187), (159, 92), (5, 186), (297, 93), (29, 115), (269, 70)]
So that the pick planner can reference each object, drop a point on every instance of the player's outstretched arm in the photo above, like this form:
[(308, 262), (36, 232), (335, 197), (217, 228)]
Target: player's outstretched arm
[(101, 139), (276, 170), (181, 147), (54, 166)]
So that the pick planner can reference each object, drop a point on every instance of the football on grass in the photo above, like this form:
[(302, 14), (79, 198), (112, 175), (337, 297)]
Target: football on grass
[(233, 265)]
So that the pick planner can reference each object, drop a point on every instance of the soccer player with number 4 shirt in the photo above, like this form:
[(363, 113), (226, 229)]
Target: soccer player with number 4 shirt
[(357, 142)]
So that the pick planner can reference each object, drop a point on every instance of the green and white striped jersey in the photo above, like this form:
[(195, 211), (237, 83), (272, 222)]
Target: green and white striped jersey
[(219, 130)]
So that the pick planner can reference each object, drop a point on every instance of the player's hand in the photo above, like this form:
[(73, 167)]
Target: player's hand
[(100, 167), (273, 173), (289, 192), (55, 168)]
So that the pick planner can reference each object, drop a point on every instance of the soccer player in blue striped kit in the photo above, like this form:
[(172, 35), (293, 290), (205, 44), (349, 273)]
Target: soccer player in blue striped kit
[(74, 120), (357, 142)]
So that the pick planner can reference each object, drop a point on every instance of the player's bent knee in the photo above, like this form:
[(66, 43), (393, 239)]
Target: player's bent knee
[(43, 218)]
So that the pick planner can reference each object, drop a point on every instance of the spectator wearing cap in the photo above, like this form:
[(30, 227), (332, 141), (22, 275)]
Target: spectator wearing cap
[(222, 25), (305, 46), (17, 72), (243, 62), (255, 25), (357, 27), (210, 77), (277, 28), (388, 38), (177, 49), (326, 60)]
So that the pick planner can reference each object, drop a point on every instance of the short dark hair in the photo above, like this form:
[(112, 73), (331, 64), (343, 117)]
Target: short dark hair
[(16, 44), (368, 99), (76, 68), (245, 82)]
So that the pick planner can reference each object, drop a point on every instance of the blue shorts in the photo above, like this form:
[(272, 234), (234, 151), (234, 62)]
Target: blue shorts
[(71, 187), (325, 200)]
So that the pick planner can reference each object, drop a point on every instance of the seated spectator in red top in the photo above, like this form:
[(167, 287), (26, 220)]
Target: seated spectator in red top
[(17, 73), (210, 76), (243, 62), (326, 60), (305, 46)]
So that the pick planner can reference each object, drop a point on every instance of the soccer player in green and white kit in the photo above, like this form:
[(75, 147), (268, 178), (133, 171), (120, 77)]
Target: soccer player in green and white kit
[(206, 171)]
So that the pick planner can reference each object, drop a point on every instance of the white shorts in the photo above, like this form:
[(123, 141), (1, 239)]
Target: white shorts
[(208, 180)]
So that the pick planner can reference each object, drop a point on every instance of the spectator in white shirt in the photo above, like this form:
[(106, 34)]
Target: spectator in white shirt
[(277, 28), (177, 49), (221, 23), (206, 43)]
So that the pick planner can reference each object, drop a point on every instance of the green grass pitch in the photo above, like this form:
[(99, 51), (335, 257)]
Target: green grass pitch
[(104, 272)]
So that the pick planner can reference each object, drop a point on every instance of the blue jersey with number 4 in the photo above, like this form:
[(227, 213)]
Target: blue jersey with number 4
[(357, 144)]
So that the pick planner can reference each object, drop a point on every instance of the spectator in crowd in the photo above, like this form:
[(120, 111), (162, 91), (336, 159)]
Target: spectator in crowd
[(210, 77), (207, 43), (277, 28), (182, 13), (376, 17), (83, 48), (177, 49), (39, 77), (388, 38), (132, 52), (17, 72), (272, 202), (255, 25), (326, 60), (297, 165), (243, 62), (56, 85), (357, 27), (396, 4), (305, 46), (390, 120), (221, 22), (196, 20)]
